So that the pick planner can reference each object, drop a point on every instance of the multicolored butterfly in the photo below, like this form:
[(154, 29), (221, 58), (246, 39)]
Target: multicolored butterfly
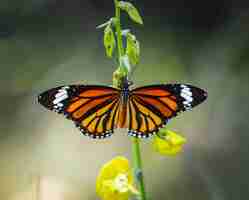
[(97, 110)]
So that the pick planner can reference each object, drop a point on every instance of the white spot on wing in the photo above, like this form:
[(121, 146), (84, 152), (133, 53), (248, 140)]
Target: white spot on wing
[(60, 98), (61, 93), (187, 92), (189, 98), (187, 95), (60, 105)]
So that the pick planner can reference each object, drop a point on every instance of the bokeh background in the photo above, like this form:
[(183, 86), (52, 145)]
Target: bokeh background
[(46, 43)]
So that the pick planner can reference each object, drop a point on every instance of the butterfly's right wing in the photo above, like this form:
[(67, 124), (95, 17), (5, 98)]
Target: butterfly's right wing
[(93, 108), (150, 107)]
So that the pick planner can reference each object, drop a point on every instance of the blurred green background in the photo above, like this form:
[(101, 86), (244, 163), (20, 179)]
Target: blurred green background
[(46, 43)]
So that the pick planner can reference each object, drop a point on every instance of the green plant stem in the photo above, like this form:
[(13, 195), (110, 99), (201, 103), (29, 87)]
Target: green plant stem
[(137, 161), (136, 155), (118, 30)]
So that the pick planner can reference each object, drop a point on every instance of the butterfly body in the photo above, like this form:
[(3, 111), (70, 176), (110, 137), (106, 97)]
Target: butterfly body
[(98, 110)]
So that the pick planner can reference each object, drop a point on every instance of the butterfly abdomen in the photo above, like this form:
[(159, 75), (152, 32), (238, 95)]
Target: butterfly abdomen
[(123, 115)]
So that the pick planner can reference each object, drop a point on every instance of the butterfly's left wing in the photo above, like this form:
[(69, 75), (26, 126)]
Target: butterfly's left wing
[(93, 108), (150, 107)]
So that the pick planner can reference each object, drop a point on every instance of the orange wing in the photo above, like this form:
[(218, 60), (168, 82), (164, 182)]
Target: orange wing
[(94, 109), (150, 107)]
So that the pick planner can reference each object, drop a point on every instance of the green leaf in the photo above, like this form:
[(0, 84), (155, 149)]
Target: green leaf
[(132, 49), (131, 10), (109, 40)]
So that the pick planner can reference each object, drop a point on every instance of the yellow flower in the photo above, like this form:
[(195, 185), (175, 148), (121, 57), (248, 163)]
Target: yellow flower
[(168, 142), (115, 181)]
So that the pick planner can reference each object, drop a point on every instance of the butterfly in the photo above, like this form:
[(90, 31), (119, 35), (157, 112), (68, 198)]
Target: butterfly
[(97, 110)]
